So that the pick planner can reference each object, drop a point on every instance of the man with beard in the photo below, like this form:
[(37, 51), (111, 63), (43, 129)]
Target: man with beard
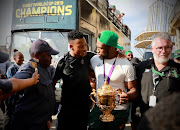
[(158, 77), (35, 108), (111, 66), (73, 69)]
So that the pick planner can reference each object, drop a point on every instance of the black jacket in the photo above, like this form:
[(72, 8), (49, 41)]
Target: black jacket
[(167, 84)]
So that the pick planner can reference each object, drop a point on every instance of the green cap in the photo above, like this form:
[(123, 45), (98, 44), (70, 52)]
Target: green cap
[(128, 52), (110, 38), (113, 6), (177, 54)]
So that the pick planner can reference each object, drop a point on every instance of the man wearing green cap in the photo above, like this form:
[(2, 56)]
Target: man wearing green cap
[(119, 73), (177, 56), (129, 55)]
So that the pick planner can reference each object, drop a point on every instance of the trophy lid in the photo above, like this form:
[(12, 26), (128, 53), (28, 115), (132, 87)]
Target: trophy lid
[(105, 89)]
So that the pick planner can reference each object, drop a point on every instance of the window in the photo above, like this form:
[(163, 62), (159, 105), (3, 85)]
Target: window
[(22, 41)]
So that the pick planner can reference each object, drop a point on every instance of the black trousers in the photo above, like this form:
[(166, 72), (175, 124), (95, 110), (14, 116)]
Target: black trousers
[(70, 119)]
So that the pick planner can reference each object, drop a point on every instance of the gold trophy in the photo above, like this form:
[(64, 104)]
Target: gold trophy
[(106, 101)]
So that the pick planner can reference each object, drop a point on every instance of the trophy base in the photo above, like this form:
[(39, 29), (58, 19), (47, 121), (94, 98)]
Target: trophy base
[(106, 118)]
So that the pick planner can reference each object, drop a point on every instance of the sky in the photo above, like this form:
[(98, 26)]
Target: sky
[(136, 16)]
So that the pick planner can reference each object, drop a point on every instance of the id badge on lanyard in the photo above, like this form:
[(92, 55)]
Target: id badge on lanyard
[(155, 75), (152, 101), (153, 98)]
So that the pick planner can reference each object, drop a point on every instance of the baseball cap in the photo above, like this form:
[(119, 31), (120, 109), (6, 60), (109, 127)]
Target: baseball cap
[(109, 38), (42, 46), (128, 52), (3, 57), (177, 54)]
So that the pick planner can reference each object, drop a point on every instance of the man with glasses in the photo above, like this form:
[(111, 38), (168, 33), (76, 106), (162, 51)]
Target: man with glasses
[(158, 77)]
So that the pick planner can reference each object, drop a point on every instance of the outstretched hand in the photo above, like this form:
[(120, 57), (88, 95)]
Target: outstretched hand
[(35, 76)]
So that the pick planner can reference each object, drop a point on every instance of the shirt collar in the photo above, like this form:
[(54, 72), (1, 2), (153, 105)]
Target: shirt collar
[(167, 67), (17, 65)]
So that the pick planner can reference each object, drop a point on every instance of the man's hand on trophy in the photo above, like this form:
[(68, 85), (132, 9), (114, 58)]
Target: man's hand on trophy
[(123, 96)]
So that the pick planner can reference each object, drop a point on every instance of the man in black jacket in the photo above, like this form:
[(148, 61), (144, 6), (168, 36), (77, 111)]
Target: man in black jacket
[(158, 77), (73, 68)]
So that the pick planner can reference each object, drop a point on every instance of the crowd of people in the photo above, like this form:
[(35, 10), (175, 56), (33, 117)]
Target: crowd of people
[(116, 13), (147, 89), (116, 17)]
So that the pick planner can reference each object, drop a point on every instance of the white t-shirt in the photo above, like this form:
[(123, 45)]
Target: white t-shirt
[(123, 72)]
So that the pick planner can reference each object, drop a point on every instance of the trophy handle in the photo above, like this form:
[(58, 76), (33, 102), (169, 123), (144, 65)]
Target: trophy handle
[(94, 94)]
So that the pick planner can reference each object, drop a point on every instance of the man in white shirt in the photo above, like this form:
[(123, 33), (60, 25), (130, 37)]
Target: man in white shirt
[(122, 77)]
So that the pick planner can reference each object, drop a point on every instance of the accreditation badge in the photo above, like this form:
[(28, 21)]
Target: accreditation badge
[(152, 101)]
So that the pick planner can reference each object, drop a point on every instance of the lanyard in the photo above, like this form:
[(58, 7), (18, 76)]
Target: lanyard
[(155, 86), (157, 72), (111, 70), (154, 72)]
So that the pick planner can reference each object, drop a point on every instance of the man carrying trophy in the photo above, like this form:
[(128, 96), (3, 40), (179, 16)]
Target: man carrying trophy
[(112, 72)]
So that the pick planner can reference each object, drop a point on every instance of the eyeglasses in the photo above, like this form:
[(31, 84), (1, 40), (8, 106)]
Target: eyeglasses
[(167, 48)]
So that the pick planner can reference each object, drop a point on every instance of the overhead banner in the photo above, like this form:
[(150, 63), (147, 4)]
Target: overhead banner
[(37, 14)]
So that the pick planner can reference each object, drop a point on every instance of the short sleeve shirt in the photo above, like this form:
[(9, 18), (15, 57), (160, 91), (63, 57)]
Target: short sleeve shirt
[(123, 72), (37, 104)]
